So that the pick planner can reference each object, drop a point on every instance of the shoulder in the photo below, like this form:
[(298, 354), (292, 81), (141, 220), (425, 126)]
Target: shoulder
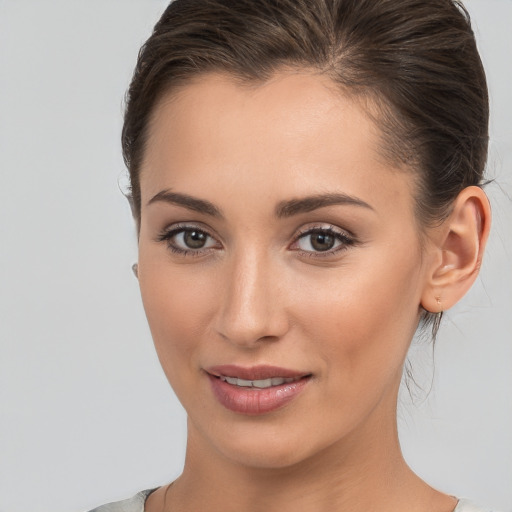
[(467, 506), (134, 504)]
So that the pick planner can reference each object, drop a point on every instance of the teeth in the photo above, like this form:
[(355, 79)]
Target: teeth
[(230, 380), (260, 384), (266, 383)]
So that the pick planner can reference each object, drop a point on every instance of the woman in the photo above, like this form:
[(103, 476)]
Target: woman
[(305, 180)]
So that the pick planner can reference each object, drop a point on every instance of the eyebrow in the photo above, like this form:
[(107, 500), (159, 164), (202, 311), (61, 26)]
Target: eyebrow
[(188, 202), (310, 203), (284, 209)]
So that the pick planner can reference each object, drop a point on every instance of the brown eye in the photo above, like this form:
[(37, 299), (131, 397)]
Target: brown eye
[(188, 240), (322, 241), (195, 239)]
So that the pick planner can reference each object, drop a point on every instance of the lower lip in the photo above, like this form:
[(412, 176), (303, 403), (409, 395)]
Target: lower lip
[(255, 401)]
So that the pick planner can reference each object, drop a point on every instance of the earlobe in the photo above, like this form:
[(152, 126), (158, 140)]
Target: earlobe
[(458, 250)]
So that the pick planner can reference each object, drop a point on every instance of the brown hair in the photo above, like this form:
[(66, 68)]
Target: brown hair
[(415, 60)]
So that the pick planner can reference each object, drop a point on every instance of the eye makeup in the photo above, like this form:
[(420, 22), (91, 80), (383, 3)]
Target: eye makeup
[(322, 241), (317, 241)]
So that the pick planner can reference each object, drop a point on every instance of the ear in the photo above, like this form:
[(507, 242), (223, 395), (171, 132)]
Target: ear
[(457, 250)]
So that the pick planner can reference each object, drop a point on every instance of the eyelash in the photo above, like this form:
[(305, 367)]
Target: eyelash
[(344, 240), (168, 234)]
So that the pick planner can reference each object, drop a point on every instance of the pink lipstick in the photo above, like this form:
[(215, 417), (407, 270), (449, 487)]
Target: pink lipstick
[(255, 390)]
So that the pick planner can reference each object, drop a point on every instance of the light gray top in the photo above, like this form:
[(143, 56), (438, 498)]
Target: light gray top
[(136, 504)]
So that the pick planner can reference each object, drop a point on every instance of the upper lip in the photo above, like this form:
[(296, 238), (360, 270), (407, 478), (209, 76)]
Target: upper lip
[(259, 372)]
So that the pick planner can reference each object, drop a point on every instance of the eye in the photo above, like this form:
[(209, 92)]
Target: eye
[(192, 239), (318, 240), (188, 239)]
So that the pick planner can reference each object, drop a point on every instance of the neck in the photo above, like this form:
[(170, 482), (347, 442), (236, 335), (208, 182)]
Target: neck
[(364, 471)]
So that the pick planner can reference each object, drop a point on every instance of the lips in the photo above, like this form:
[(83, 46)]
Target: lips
[(256, 390)]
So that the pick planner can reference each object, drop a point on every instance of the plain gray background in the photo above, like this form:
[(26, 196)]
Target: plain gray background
[(86, 415)]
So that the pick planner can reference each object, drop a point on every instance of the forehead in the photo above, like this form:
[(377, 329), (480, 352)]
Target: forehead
[(294, 132)]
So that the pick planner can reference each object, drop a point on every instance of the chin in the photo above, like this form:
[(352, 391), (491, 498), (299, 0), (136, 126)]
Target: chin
[(260, 445), (268, 456)]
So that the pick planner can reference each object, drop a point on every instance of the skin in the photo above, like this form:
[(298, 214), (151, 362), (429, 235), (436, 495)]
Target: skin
[(259, 293)]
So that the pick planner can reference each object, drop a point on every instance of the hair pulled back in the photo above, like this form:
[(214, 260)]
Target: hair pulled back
[(416, 61)]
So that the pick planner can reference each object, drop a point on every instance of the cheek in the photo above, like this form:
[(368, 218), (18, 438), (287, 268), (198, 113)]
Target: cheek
[(179, 310), (364, 317)]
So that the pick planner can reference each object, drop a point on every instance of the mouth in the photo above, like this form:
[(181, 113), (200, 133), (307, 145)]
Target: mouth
[(256, 390), (255, 373), (258, 384)]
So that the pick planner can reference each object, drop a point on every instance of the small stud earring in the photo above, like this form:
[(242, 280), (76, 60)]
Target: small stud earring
[(135, 270)]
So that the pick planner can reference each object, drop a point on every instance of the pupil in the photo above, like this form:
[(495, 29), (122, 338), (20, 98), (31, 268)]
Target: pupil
[(195, 239), (322, 242)]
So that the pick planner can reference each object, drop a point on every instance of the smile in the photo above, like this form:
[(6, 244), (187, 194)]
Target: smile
[(258, 384), (255, 390)]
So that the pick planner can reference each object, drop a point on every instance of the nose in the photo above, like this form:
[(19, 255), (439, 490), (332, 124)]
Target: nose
[(251, 308)]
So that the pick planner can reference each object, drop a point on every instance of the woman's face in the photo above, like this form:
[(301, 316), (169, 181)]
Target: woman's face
[(276, 243)]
